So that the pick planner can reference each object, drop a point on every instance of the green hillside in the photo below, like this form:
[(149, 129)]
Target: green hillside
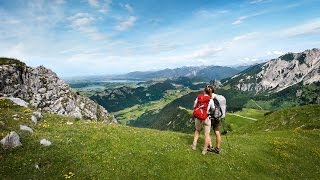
[(176, 115), (96, 150), (305, 117)]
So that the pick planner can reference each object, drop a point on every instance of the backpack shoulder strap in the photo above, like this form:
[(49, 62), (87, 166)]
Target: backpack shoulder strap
[(217, 105)]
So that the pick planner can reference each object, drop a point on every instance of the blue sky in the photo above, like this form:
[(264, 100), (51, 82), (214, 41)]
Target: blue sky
[(93, 37)]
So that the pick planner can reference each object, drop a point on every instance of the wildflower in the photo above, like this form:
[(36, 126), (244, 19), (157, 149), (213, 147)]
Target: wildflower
[(69, 175)]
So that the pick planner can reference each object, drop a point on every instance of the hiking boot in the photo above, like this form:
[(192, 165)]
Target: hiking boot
[(193, 147), (210, 149), (216, 150)]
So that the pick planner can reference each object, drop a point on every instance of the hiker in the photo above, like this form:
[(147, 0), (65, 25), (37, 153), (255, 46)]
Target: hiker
[(202, 106), (215, 122)]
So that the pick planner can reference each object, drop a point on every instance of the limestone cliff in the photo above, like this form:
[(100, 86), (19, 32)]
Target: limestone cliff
[(42, 88), (280, 73)]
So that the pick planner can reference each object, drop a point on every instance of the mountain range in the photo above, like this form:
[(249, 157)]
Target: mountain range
[(204, 73)]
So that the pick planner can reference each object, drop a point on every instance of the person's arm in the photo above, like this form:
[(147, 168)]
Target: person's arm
[(195, 103), (211, 106)]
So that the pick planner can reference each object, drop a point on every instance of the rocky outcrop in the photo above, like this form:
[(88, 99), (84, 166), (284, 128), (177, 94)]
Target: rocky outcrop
[(281, 73), (42, 88)]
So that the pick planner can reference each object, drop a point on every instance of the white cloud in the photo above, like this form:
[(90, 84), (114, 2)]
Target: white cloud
[(249, 60), (93, 3), (240, 20), (82, 22), (59, 2), (101, 6), (245, 36), (209, 13), (81, 19), (258, 1), (16, 51), (275, 53), (9, 21), (204, 52), (302, 29), (129, 8), (126, 23)]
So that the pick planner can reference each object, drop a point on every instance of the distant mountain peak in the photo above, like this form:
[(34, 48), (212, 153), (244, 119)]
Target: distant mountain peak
[(203, 72), (280, 73)]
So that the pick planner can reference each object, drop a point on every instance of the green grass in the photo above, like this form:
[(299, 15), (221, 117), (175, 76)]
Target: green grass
[(234, 122), (266, 105), (5, 61), (305, 117), (96, 150), (252, 113)]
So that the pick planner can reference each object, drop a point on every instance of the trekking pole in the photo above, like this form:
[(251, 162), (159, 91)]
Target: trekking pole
[(226, 132)]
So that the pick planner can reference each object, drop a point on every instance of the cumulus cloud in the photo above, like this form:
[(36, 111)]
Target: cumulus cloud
[(126, 23), (81, 19), (82, 22), (101, 6), (93, 3)]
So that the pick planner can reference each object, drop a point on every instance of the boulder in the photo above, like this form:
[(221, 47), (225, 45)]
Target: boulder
[(42, 90), (36, 117), (26, 128), (2, 125), (45, 142), (18, 101), (12, 140), (69, 123)]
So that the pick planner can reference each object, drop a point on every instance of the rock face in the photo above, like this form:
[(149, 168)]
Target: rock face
[(43, 89), (12, 140), (278, 74)]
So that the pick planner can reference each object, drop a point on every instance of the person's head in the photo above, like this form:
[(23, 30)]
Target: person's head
[(212, 89), (208, 90)]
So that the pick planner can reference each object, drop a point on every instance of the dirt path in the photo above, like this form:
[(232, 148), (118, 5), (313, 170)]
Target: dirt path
[(253, 119)]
